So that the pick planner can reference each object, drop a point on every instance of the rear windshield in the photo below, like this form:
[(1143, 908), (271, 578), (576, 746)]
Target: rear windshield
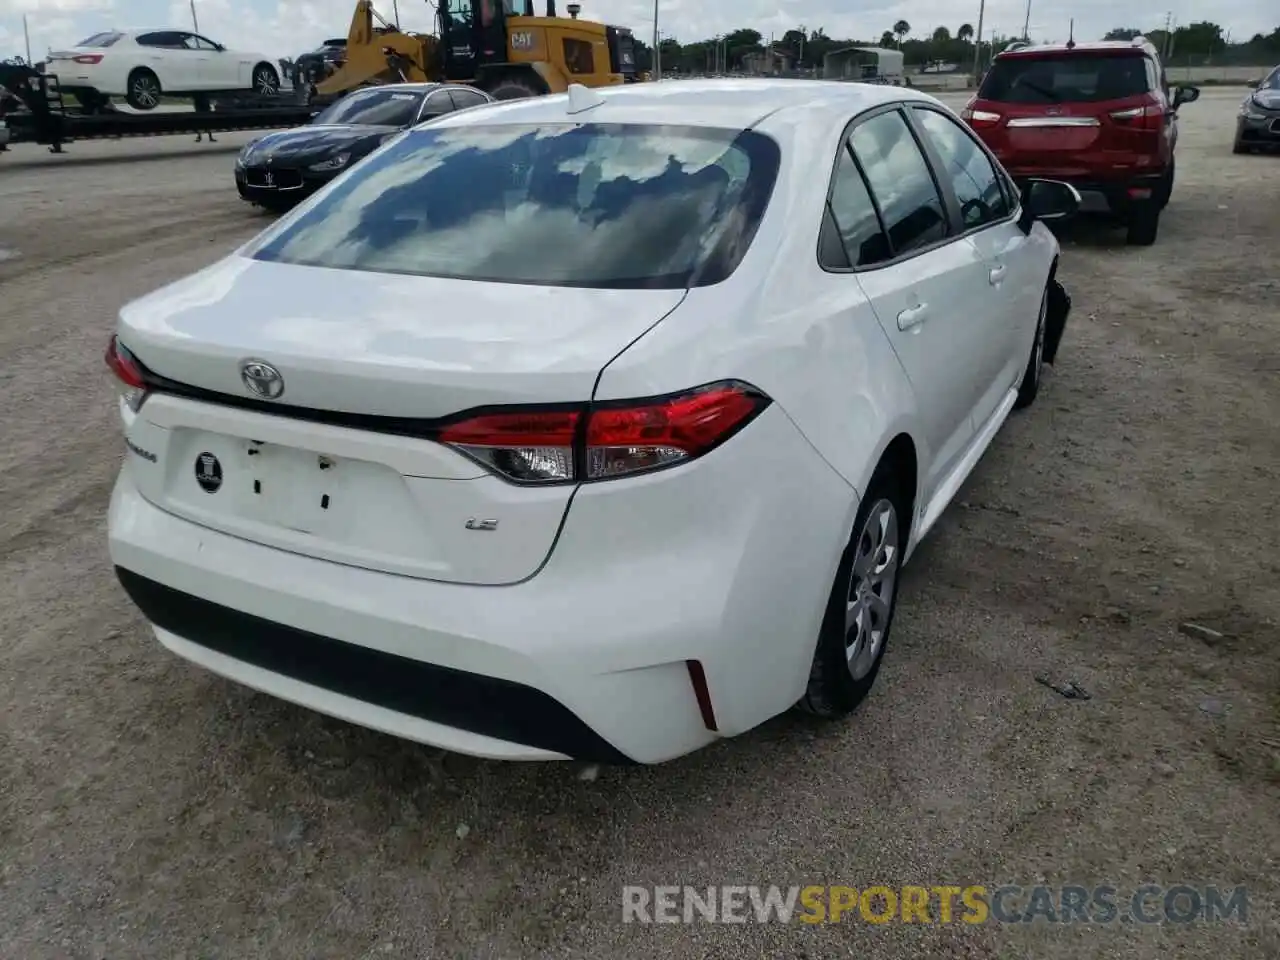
[(377, 108), (588, 205), (1072, 78), (100, 40)]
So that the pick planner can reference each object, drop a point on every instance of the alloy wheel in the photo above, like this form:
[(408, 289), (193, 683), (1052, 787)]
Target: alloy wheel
[(872, 583)]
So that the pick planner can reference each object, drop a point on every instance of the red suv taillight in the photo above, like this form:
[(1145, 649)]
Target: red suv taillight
[(129, 378), (1149, 117), (978, 118), (606, 440), (88, 58)]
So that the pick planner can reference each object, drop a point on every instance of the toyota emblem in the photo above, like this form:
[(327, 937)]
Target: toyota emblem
[(262, 379)]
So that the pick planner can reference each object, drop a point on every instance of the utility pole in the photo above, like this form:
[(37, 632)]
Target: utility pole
[(977, 46), (26, 35), (657, 55), (1026, 24), (195, 23)]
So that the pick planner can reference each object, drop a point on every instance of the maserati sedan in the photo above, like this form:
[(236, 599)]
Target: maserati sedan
[(144, 65), (278, 170), (592, 426)]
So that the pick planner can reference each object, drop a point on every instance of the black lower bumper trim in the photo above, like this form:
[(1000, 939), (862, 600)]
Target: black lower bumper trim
[(477, 704)]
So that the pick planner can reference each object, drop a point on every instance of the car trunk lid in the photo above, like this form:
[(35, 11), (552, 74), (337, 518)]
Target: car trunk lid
[(342, 464)]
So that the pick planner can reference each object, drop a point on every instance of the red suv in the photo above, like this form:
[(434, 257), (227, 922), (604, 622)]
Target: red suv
[(1099, 115)]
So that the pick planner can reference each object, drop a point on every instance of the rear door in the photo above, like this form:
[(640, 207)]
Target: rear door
[(1006, 327), (1071, 114), (895, 229), (166, 55)]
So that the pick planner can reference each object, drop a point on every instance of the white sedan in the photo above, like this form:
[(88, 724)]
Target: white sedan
[(595, 425), (144, 65)]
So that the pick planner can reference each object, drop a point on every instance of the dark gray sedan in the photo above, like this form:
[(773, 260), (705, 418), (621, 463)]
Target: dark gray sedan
[(1258, 123)]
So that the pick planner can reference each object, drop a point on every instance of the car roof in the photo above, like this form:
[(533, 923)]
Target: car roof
[(730, 103), (1090, 46)]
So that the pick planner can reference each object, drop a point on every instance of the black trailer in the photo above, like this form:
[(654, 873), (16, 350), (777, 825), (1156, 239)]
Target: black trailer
[(43, 116)]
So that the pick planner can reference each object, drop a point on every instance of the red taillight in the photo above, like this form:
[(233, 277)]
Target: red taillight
[(131, 382), (1150, 117), (608, 440), (88, 58)]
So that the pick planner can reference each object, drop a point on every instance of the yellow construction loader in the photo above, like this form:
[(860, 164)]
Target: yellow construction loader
[(499, 46)]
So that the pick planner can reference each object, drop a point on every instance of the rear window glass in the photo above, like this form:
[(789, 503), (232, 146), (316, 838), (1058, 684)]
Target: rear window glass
[(1064, 79), (387, 107), (100, 40), (590, 205)]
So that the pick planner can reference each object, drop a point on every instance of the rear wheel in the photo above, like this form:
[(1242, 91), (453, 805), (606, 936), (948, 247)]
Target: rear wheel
[(1029, 388), (1164, 191), (855, 628), (143, 90), (1144, 224), (266, 81)]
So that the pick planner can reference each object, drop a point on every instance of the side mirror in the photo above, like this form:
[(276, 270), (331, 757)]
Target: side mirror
[(1183, 95), (1047, 200), (1256, 83)]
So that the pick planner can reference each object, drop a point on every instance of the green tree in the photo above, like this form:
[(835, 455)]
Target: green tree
[(965, 33), (1122, 33), (900, 30)]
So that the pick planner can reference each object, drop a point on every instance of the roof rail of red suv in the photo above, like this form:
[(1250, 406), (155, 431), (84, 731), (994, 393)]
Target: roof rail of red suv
[(1139, 44)]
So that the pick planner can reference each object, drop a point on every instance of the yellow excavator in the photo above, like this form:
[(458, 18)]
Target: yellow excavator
[(499, 46)]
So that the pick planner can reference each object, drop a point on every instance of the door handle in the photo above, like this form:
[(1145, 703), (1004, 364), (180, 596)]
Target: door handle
[(912, 316), (997, 275)]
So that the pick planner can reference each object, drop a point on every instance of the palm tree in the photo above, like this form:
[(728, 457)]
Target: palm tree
[(887, 39), (941, 35), (900, 30), (965, 32)]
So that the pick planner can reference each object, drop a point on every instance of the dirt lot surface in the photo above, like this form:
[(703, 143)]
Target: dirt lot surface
[(151, 810)]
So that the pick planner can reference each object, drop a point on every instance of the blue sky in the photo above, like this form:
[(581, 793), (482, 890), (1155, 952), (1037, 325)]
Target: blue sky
[(288, 27)]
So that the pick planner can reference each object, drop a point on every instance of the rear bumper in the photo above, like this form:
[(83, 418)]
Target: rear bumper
[(588, 659), (1118, 195)]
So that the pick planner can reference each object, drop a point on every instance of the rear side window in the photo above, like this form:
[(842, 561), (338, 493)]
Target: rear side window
[(911, 208), (564, 204), (973, 177), (163, 39), (1068, 78), (467, 98), (859, 238)]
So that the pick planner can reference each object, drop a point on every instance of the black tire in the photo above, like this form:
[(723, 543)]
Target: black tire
[(1029, 388), (514, 88), (835, 688), (266, 80), (1164, 192), (143, 90), (1144, 225)]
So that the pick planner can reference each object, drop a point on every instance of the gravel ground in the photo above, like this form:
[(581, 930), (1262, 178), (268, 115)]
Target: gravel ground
[(151, 810)]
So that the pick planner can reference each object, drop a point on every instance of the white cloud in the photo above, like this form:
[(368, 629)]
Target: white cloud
[(288, 27)]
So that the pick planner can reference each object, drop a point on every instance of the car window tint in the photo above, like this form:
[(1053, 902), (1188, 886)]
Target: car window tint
[(854, 217), (566, 204), (967, 167), (1064, 78), (903, 187), (437, 105)]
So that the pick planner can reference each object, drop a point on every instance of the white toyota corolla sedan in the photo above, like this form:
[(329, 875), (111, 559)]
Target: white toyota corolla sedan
[(596, 425)]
